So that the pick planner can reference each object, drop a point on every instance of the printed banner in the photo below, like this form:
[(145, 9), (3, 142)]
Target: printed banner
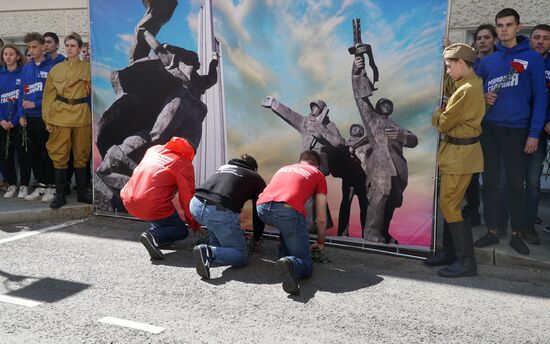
[(286, 83)]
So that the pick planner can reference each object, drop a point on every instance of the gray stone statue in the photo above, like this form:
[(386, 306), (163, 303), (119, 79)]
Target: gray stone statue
[(381, 155), (316, 129)]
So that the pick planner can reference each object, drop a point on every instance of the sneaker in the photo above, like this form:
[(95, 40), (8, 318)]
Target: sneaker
[(486, 240), (203, 259), (150, 243), (37, 193), (546, 229), (517, 243), (23, 192), (286, 269), (48, 195), (12, 191), (531, 236)]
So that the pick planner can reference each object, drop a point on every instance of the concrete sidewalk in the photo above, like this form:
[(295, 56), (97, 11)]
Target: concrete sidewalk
[(15, 210)]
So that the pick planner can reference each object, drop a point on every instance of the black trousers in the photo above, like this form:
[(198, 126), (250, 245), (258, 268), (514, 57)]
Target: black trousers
[(472, 194), (15, 148), (41, 164), (503, 148)]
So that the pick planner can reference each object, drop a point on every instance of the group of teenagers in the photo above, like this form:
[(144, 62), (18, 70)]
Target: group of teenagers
[(496, 121), (45, 119)]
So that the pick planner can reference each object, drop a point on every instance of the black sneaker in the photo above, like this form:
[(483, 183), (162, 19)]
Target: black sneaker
[(486, 240), (203, 259), (517, 243), (530, 235), (150, 243), (286, 269)]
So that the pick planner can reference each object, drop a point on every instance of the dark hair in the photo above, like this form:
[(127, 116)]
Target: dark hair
[(311, 157), (489, 27), (508, 12), (468, 63), (1, 42), (22, 58), (543, 27), (250, 161), (52, 35), (74, 36), (34, 36)]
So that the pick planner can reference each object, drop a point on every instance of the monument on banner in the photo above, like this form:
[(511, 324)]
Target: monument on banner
[(168, 104), (381, 192)]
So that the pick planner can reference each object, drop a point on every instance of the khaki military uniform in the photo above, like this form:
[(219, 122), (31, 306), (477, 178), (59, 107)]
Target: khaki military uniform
[(66, 112), (457, 161)]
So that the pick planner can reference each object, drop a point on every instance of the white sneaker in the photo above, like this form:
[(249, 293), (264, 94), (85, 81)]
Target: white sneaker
[(48, 195), (12, 191), (36, 194), (23, 191)]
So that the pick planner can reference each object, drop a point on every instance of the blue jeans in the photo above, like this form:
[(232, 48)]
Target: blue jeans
[(224, 232), (532, 181), (169, 229), (294, 235)]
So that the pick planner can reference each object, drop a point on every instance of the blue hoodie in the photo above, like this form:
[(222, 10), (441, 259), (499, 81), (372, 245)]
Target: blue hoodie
[(34, 76), (547, 73), (58, 58), (9, 88), (522, 102)]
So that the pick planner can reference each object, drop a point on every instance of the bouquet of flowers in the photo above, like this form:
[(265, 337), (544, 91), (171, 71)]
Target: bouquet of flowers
[(24, 137), (7, 143)]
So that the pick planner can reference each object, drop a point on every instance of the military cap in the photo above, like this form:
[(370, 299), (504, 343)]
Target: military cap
[(460, 51)]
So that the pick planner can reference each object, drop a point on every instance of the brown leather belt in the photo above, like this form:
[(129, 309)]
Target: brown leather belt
[(72, 101), (461, 141)]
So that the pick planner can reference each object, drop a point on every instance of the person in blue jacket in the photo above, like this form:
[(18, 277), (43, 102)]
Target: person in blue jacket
[(12, 61), (540, 42), (51, 46), (517, 104), (33, 80)]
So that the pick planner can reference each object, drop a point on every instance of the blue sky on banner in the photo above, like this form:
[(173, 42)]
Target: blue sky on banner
[(297, 52)]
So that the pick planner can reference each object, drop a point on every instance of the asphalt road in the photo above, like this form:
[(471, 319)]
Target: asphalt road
[(58, 284)]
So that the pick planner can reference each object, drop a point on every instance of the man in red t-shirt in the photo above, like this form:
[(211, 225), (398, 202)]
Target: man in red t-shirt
[(281, 205), (164, 171)]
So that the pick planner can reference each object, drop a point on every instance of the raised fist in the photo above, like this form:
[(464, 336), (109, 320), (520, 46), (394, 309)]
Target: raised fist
[(360, 62), (267, 102)]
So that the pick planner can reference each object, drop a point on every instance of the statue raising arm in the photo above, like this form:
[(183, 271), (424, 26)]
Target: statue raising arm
[(288, 115)]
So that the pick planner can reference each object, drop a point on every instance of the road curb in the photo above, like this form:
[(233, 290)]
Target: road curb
[(68, 212)]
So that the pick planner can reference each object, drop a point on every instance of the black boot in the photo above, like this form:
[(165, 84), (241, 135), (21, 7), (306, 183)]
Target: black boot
[(465, 264), (446, 255), (60, 182), (83, 192)]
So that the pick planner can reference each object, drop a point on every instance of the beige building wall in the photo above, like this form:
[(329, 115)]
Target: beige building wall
[(18, 17), (64, 16), (466, 15)]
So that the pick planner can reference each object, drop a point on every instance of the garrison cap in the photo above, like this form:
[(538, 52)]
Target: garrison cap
[(460, 51)]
